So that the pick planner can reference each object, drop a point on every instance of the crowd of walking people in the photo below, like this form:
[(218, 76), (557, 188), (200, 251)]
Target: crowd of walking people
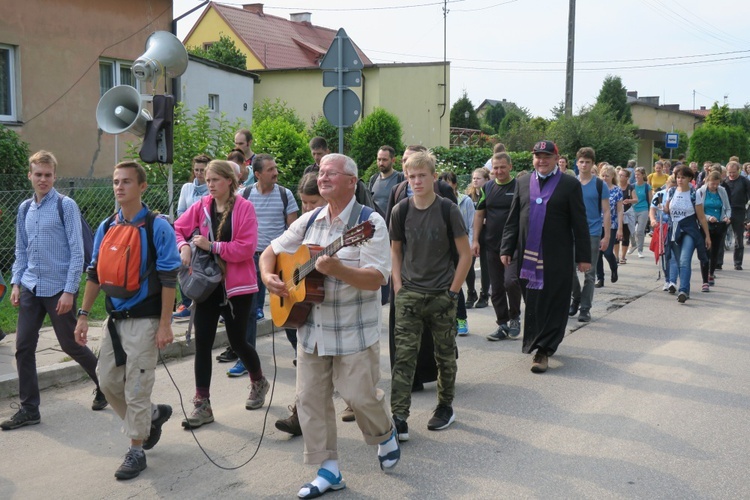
[(540, 238)]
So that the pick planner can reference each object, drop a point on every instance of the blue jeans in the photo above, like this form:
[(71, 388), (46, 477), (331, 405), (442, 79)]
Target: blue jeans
[(679, 263)]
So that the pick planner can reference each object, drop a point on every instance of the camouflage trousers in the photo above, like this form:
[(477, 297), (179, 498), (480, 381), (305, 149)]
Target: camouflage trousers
[(414, 311)]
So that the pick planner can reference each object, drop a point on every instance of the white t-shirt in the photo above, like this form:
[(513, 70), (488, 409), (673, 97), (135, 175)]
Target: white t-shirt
[(681, 206)]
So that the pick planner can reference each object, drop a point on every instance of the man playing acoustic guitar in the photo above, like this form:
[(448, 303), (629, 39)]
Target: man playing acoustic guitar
[(338, 345)]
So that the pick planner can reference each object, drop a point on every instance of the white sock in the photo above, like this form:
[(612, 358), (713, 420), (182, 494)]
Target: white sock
[(322, 484), (384, 448)]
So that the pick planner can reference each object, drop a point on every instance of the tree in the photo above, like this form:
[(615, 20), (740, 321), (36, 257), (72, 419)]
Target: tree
[(321, 127), (377, 129), (494, 116), (613, 97), (613, 140), (277, 109), (281, 139), (224, 51), (459, 114), (741, 118), (522, 134), (719, 116)]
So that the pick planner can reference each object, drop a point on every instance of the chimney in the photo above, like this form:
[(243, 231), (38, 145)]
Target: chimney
[(255, 8), (703, 108), (300, 17), (632, 93)]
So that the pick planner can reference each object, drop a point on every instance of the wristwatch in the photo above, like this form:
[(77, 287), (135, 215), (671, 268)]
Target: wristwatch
[(81, 312), (452, 294)]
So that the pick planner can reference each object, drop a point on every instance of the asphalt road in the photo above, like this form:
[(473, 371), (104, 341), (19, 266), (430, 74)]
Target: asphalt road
[(650, 401)]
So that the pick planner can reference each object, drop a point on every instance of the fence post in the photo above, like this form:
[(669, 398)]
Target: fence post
[(72, 186)]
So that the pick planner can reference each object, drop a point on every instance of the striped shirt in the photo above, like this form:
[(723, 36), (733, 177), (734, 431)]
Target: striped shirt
[(49, 255), (348, 320), (269, 210)]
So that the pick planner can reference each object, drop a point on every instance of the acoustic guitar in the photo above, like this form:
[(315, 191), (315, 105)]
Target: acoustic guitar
[(304, 283)]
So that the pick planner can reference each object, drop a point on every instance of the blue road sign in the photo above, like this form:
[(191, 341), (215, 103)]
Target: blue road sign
[(673, 140)]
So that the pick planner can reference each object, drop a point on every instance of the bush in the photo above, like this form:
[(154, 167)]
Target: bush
[(718, 143), (377, 129), (288, 145), (463, 161), (194, 134), (321, 127), (14, 158), (277, 109)]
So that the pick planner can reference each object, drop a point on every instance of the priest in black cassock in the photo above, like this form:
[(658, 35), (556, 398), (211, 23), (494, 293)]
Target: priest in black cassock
[(547, 225)]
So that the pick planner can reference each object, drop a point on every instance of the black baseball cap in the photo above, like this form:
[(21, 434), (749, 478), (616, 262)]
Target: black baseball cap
[(545, 147)]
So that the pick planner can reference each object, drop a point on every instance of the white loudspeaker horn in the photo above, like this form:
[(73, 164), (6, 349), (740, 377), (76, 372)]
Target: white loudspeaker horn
[(165, 55), (121, 110)]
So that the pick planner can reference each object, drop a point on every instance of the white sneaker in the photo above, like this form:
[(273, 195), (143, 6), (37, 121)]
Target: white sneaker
[(640, 255), (666, 286), (631, 250)]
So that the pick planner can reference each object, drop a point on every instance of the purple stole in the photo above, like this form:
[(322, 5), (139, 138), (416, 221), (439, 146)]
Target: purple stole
[(532, 268)]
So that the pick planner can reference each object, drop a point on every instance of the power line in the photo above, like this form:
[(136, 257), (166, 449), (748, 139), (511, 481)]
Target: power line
[(307, 8), (485, 8), (577, 62)]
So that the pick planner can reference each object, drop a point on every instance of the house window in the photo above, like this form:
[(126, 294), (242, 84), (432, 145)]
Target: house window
[(114, 73), (207, 45), (213, 102), (7, 83)]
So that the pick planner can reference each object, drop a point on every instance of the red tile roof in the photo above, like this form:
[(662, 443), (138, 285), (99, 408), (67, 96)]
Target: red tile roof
[(277, 42)]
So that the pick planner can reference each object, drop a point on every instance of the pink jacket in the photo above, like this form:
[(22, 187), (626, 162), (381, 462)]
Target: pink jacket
[(240, 278)]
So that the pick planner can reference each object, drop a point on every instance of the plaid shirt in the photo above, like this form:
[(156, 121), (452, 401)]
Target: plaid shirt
[(49, 255), (348, 320)]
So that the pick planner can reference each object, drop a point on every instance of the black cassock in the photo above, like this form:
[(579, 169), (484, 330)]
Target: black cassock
[(565, 241)]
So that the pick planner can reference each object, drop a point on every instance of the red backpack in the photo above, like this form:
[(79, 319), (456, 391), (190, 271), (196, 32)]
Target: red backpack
[(118, 264)]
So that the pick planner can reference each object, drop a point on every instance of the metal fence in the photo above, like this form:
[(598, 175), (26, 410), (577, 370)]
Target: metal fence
[(94, 197)]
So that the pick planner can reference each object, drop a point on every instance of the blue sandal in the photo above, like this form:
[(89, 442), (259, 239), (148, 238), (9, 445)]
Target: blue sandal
[(393, 455), (336, 483)]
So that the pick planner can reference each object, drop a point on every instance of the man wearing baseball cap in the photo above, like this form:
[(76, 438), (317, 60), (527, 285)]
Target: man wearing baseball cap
[(547, 225)]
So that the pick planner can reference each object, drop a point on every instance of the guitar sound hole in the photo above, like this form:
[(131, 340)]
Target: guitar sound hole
[(281, 277), (295, 277)]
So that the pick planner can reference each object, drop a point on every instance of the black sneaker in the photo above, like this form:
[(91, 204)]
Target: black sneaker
[(2, 334), (584, 317), (442, 417), (402, 429), (499, 334), (471, 299), (682, 297), (482, 302), (228, 356), (165, 411), (21, 418), (133, 464), (100, 402), (290, 425)]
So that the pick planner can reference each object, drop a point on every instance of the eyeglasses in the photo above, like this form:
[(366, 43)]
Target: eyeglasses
[(322, 174)]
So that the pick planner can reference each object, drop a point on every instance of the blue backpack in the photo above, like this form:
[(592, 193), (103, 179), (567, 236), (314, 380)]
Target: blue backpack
[(87, 233)]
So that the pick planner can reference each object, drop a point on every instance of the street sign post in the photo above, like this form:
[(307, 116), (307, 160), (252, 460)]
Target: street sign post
[(342, 69)]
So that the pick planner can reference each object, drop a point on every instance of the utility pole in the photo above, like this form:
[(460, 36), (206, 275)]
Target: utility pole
[(571, 58)]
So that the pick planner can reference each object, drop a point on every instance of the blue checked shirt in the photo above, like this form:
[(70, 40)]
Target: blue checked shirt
[(49, 255)]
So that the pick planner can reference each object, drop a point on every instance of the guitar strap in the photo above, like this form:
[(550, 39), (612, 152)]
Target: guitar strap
[(359, 214)]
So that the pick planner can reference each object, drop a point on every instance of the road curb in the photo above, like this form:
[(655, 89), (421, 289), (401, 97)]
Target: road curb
[(68, 372)]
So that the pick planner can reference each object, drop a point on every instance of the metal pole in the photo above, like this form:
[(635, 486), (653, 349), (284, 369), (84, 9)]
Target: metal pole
[(571, 58), (340, 91)]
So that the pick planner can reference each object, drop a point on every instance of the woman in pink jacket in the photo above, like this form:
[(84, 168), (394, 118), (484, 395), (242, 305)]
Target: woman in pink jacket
[(235, 229)]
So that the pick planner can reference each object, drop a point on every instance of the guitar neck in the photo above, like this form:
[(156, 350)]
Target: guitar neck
[(331, 249)]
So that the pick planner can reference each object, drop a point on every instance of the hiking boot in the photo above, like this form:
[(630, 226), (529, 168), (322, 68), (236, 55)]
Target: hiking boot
[(471, 298), (164, 413), (498, 334), (348, 414), (540, 363), (100, 401), (228, 356), (237, 370), (482, 302), (462, 327), (181, 314), (442, 417), (402, 429), (258, 391), (290, 425), (514, 329), (21, 418), (202, 414), (133, 464)]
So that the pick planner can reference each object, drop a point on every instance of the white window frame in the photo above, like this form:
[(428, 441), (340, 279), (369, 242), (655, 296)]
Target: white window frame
[(13, 116), (213, 103), (117, 66)]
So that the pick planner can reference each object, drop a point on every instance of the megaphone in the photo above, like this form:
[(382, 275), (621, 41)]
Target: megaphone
[(121, 110), (165, 55)]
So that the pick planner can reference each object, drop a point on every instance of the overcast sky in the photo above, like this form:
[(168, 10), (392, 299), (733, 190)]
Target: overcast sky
[(684, 51)]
